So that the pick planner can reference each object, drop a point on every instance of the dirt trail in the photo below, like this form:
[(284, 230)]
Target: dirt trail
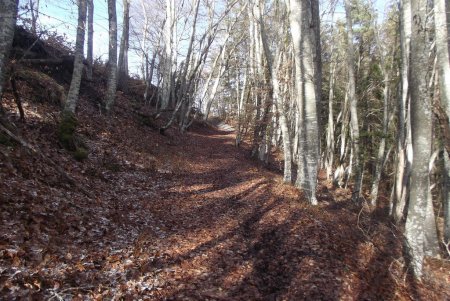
[(204, 223), (225, 229)]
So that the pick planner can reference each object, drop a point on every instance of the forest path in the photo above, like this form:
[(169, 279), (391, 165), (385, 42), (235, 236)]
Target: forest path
[(225, 229), (182, 218)]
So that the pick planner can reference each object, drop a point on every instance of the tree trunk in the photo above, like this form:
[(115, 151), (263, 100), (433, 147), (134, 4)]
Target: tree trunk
[(74, 90), (112, 59), (442, 53), (443, 61), (124, 45), (167, 60), (403, 160), (446, 197), (304, 40), (285, 132), (7, 25), (330, 142), (90, 39), (34, 9), (382, 147), (421, 126), (357, 163)]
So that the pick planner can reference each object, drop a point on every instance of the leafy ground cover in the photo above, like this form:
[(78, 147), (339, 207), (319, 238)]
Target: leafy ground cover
[(181, 217)]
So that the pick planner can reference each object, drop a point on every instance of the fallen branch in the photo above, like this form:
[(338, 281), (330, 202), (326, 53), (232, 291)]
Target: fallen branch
[(28, 146)]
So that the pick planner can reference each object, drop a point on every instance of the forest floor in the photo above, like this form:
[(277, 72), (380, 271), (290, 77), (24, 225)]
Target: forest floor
[(176, 217), (182, 217)]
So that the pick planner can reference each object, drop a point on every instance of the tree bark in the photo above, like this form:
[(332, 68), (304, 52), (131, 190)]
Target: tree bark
[(441, 20), (421, 126), (303, 36), (90, 39), (330, 141), (168, 54), (357, 162), (446, 197), (112, 57), (382, 147), (403, 160), (442, 53), (124, 45), (74, 90)]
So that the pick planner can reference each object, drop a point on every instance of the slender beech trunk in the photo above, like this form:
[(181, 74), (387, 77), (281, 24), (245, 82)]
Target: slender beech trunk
[(8, 17), (339, 177), (446, 197), (241, 111), (124, 45), (148, 82), (34, 9), (330, 143), (185, 84), (112, 58), (403, 130), (285, 132), (382, 147), (214, 88), (90, 39), (168, 54), (442, 50), (357, 162), (314, 37), (421, 126), (74, 90)]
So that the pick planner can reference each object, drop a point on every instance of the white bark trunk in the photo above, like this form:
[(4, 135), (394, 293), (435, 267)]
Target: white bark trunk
[(357, 163), (421, 125), (168, 54), (442, 52), (441, 19), (403, 159), (382, 147), (124, 45), (74, 90), (90, 39), (303, 36), (330, 144), (112, 57)]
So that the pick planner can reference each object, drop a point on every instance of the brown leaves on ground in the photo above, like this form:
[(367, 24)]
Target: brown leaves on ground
[(181, 218)]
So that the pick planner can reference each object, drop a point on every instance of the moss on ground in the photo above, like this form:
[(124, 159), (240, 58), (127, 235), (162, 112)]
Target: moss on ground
[(68, 138)]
